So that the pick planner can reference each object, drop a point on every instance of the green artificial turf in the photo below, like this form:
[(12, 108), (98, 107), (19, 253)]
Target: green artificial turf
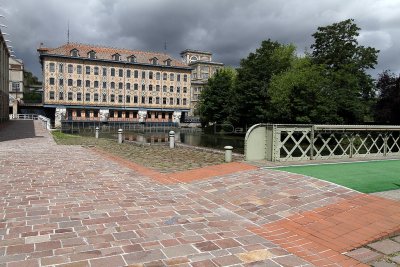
[(366, 177)]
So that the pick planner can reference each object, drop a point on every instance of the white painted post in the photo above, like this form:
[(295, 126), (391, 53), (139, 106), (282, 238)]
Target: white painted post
[(119, 136), (97, 133), (228, 153), (171, 139)]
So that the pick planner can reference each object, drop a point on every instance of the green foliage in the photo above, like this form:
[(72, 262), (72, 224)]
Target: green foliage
[(346, 62), (387, 108), (30, 79), (215, 105)]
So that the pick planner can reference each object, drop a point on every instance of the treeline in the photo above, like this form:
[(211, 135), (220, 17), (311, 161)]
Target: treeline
[(328, 85)]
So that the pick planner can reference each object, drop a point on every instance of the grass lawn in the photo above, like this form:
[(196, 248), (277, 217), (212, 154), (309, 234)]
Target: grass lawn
[(366, 177)]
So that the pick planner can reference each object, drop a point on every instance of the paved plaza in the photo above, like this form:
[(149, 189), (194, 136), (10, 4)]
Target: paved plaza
[(76, 206)]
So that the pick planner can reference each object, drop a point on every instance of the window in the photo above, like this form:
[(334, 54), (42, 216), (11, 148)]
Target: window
[(112, 98), (69, 82), (178, 77), (171, 89), (143, 75), (61, 82), (96, 84), (78, 113), (184, 102), (92, 55), (60, 95), (128, 73), (70, 68), (79, 69), (150, 87), (51, 96), (96, 97), (78, 82), (178, 100), (87, 97), (185, 78), (168, 62), (112, 72), (157, 88), (96, 70), (164, 76), (143, 100), (150, 75), (158, 76), (154, 61), (70, 96), (171, 101), (143, 87), (104, 85), (87, 70), (132, 59), (121, 73), (164, 100), (185, 90), (120, 85), (74, 53), (204, 75), (87, 113), (104, 98), (51, 67), (61, 68), (120, 99), (136, 74), (135, 99), (87, 83), (128, 99), (157, 100), (51, 81), (112, 85), (178, 89), (79, 96), (128, 86), (135, 86), (150, 100), (171, 77), (193, 58), (164, 88), (116, 57)]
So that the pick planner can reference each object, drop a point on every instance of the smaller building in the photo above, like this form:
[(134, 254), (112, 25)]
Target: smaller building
[(202, 68), (16, 76)]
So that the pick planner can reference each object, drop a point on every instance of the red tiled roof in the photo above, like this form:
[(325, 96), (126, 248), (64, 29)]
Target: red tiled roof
[(106, 53)]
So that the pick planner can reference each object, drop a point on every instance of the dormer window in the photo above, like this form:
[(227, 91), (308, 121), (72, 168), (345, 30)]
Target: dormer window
[(116, 57), (92, 54), (132, 59), (154, 61), (168, 62), (74, 53)]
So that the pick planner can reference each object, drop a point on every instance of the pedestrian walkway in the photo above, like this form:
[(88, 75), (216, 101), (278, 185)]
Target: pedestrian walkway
[(71, 206)]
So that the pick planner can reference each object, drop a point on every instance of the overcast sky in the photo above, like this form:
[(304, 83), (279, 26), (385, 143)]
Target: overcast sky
[(230, 29)]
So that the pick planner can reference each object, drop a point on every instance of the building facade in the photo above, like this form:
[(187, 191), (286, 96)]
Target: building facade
[(4, 83), (202, 68), (16, 77), (86, 82)]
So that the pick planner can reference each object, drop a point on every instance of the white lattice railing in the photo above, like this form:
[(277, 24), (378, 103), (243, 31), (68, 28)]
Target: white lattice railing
[(307, 142)]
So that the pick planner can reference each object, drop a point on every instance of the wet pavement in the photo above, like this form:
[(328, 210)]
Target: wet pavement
[(71, 206)]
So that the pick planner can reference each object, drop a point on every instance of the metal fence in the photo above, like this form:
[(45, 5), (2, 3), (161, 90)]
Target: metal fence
[(277, 142)]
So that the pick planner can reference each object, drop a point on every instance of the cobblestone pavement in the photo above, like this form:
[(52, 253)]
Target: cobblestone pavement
[(391, 194), (69, 206)]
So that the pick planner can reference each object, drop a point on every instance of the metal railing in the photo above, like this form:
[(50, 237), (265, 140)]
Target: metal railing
[(277, 142)]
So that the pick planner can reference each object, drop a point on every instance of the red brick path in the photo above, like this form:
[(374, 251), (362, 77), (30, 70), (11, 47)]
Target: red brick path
[(183, 176), (321, 236)]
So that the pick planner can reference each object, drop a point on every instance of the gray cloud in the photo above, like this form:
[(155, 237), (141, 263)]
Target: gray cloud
[(228, 28)]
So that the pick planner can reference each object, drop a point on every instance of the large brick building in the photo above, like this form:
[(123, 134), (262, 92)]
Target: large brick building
[(86, 82)]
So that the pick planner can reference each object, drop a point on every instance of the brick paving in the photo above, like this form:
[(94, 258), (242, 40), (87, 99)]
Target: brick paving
[(71, 206)]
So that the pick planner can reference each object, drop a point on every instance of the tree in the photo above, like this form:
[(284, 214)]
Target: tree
[(302, 95), (346, 62), (387, 108), (30, 79), (215, 100), (254, 74)]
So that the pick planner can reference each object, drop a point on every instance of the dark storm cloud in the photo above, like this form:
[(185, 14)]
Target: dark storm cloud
[(228, 28)]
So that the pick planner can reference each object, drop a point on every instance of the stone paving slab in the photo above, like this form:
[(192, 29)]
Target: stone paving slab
[(69, 206)]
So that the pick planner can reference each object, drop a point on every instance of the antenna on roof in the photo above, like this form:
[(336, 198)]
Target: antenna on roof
[(165, 46), (68, 33)]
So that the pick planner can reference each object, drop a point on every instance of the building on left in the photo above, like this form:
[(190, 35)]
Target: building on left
[(95, 83), (4, 78)]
